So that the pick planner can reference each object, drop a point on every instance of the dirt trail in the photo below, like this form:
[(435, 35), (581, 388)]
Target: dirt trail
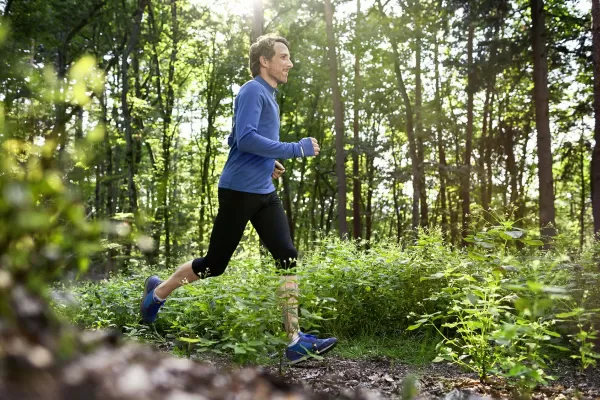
[(385, 380)]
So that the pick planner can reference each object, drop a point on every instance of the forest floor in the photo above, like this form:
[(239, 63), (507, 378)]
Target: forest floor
[(386, 378)]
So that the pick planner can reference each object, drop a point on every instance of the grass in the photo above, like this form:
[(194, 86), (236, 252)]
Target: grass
[(413, 350)]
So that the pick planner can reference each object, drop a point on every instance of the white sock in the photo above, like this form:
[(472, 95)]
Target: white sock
[(157, 299), (295, 339)]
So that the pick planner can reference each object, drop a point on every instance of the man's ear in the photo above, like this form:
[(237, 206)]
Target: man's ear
[(263, 61)]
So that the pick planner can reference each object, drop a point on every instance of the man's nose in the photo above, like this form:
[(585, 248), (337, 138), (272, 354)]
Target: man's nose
[(291, 63)]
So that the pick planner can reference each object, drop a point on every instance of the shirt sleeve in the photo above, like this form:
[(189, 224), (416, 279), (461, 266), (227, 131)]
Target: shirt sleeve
[(249, 107)]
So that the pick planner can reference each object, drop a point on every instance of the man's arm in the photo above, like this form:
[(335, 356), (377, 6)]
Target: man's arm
[(249, 141)]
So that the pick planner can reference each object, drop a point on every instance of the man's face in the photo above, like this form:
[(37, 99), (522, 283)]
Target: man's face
[(279, 66)]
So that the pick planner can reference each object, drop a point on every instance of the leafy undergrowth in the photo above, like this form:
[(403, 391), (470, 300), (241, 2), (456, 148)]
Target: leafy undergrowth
[(502, 307)]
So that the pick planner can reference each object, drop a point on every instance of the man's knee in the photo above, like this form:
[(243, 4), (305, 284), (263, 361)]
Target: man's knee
[(286, 259), (205, 268)]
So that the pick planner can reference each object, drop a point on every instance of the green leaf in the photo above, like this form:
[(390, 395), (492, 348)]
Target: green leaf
[(239, 350), (472, 298), (514, 234), (532, 242), (413, 327), (567, 314), (188, 340)]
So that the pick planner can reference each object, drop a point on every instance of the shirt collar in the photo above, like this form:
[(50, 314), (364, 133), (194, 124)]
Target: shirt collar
[(270, 88)]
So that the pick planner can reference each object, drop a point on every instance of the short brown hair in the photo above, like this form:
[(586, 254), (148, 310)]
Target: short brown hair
[(263, 47)]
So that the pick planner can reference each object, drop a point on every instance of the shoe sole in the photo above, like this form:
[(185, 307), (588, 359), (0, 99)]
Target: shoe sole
[(307, 357), (143, 297)]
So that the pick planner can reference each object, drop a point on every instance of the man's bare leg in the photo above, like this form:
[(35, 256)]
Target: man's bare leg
[(183, 276), (288, 291)]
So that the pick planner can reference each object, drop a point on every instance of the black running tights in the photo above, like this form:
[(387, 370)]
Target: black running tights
[(236, 208)]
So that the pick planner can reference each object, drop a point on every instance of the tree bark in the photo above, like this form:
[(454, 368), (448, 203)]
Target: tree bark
[(258, 21), (339, 121), (442, 165), (419, 133), (130, 148), (542, 120), (411, 137), (583, 194), (370, 164), (595, 165), (7, 7), (466, 177), (482, 148), (511, 164), (356, 184)]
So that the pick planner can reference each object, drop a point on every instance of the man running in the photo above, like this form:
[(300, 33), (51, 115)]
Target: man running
[(246, 193)]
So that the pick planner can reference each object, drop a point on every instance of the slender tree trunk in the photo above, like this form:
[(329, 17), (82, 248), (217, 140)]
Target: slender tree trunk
[(108, 178), (442, 166), (511, 164), (595, 165), (482, 147), (59, 133), (411, 138), (454, 234), (521, 199), (130, 149), (258, 20), (313, 206), (356, 184), (369, 213), (583, 194), (419, 133), (490, 131), (542, 119), (371, 186), (395, 192), (287, 204), (7, 7), (466, 177), (339, 121), (488, 151)]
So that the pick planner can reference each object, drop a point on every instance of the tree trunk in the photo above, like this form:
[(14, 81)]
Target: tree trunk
[(442, 166), (395, 192), (339, 121), (595, 167), (258, 21), (542, 120), (482, 148), (370, 185), (356, 184), (490, 130), (411, 138), (488, 151), (287, 204), (130, 149), (466, 177), (511, 164), (583, 194), (419, 133)]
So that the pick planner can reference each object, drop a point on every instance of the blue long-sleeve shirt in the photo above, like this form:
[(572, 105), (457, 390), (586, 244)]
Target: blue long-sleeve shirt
[(254, 140)]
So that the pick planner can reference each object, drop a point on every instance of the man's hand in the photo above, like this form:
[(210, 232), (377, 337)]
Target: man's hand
[(315, 146), (278, 171)]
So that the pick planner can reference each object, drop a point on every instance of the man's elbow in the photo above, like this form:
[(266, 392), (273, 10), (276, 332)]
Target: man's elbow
[(245, 144)]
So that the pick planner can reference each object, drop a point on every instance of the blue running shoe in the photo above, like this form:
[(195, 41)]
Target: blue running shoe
[(306, 346), (148, 306)]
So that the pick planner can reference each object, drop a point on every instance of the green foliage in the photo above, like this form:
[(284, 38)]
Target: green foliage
[(503, 308), (498, 310), (585, 334)]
